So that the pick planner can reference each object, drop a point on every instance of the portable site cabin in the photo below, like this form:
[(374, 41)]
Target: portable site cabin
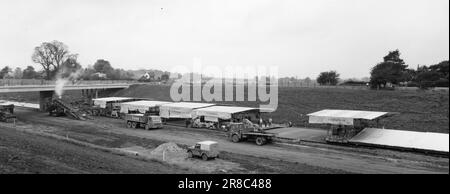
[(346, 123), (141, 106), (226, 113), (182, 110)]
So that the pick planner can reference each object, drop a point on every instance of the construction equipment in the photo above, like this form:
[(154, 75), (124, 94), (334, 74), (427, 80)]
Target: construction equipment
[(7, 113), (143, 120), (245, 131), (205, 149), (57, 107), (198, 123)]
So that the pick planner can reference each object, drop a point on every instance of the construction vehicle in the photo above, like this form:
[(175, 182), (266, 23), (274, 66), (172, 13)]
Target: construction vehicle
[(205, 150), (198, 123), (242, 131), (143, 120), (7, 113), (57, 107)]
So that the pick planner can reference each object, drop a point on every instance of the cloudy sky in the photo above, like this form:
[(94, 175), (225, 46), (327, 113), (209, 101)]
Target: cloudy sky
[(301, 37)]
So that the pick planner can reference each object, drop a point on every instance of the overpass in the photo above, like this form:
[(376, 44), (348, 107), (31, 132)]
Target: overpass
[(40, 88), (46, 88)]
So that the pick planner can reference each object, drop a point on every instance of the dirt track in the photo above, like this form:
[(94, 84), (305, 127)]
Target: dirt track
[(269, 158)]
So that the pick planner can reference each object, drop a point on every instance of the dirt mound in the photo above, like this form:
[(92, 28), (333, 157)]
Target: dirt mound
[(168, 147)]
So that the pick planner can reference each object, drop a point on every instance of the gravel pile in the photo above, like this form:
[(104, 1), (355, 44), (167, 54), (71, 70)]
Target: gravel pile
[(168, 147)]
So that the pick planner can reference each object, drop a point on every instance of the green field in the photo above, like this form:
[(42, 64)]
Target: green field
[(419, 110)]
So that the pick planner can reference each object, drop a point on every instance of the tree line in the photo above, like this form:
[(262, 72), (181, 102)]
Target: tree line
[(57, 61), (393, 71)]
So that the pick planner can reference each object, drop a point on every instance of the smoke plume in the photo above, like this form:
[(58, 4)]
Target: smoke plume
[(62, 80)]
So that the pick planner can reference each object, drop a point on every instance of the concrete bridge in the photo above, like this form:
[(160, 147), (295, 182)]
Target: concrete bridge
[(46, 89)]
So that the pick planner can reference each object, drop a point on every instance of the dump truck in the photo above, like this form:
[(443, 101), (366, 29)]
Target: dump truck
[(7, 113), (240, 132), (204, 149), (143, 120)]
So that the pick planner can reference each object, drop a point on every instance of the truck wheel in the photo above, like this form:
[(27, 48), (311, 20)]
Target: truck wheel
[(260, 141), (190, 155), (204, 157), (235, 138), (129, 125), (133, 124)]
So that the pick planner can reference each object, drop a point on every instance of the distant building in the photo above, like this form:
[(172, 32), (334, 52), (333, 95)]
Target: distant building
[(99, 75)]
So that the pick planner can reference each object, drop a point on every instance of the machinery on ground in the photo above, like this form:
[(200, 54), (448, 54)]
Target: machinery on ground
[(205, 150), (198, 123), (245, 131), (146, 121), (57, 107), (7, 113)]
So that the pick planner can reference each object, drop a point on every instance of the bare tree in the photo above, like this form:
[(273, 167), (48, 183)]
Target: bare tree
[(51, 55)]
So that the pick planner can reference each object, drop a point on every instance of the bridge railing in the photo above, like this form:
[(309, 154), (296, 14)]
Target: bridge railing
[(24, 82)]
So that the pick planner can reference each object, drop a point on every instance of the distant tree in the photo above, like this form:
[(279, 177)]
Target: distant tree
[(51, 55), (103, 66), (165, 77), (391, 70), (69, 66), (18, 74), (427, 79), (442, 68), (328, 78), (5, 72), (88, 73), (308, 80), (152, 75), (29, 73)]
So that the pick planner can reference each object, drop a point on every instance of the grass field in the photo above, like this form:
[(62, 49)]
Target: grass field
[(419, 110)]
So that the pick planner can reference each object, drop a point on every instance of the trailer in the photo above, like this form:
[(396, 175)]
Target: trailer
[(238, 132), (143, 120)]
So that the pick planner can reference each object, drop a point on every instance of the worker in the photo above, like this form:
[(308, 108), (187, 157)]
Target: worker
[(260, 122), (270, 122)]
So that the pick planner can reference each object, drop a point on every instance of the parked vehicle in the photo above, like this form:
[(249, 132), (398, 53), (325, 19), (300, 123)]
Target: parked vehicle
[(239, 132), (197, 123), (205, 150), (143, 120)]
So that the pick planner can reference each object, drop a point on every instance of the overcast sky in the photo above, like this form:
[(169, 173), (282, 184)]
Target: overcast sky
[(301, 37)]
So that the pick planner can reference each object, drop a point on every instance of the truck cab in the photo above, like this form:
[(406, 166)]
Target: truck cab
[(205, 150), (143, 120), (241, 131)]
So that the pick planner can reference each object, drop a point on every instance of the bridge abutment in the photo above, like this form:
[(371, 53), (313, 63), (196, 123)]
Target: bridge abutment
[(44, 98)]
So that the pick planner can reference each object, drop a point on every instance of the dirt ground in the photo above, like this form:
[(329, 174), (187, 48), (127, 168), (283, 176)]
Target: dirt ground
[(234, 157), (22, 152)]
